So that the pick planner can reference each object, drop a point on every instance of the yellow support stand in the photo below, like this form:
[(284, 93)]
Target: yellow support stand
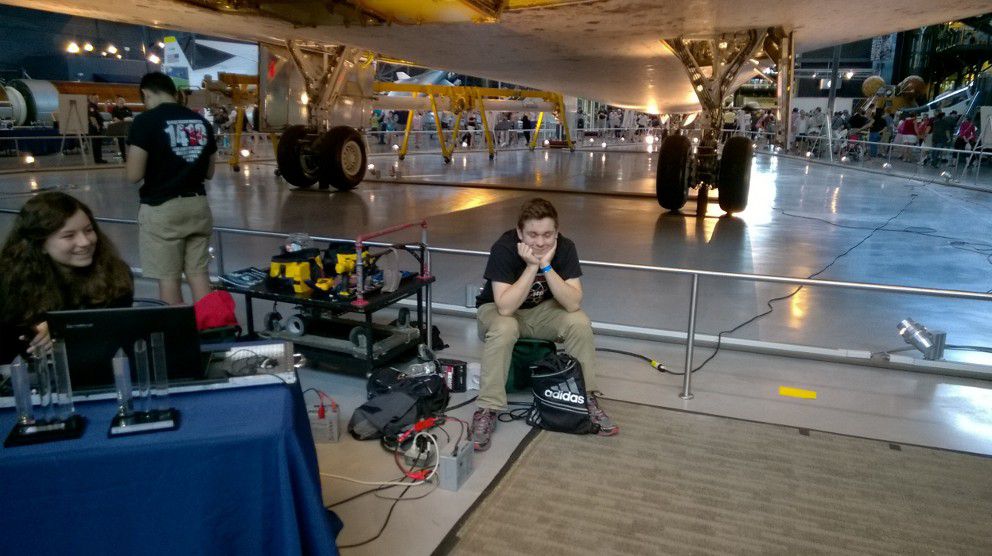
[(454, 136), (537, 129), (236, 144), (485, 128), (406, 132), (440, 130)]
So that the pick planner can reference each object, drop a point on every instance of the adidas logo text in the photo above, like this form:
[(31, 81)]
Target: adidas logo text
[(565, 396)]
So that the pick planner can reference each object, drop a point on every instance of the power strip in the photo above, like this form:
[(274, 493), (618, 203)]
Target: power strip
[(421, 453)]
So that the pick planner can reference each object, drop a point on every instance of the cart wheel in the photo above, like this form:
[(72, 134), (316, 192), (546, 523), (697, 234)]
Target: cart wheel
[(296, 326), (273, 321), (403, 319), (357, 336)]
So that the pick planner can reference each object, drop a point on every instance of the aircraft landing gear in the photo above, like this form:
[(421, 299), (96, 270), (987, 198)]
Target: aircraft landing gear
[(682, 166)]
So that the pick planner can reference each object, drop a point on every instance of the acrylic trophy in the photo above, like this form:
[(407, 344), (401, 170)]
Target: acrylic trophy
[(149, 411), (55, 418)]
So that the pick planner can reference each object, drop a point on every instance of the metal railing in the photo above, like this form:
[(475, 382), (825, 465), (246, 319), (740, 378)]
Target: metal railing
[(693, 274)]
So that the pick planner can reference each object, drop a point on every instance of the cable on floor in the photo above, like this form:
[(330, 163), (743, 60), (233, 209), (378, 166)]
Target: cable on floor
[(771, 308)]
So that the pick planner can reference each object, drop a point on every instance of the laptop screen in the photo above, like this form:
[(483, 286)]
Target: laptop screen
[(93, 336)]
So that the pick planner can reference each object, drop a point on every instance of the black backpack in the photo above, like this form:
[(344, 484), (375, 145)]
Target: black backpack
[(559, 396)]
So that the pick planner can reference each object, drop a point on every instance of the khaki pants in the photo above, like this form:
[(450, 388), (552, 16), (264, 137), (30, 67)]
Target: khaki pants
[(547, 321)]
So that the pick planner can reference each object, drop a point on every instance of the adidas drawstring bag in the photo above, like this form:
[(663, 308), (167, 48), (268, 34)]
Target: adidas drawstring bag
[(559, 396)]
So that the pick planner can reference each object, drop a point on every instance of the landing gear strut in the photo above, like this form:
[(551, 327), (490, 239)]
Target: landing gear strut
[(682, 166)]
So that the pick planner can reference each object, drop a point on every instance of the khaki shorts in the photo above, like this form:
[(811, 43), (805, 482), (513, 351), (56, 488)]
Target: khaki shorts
[(174, 237)]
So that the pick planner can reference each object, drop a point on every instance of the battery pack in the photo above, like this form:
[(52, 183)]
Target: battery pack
[(324, 423), (455, 466)]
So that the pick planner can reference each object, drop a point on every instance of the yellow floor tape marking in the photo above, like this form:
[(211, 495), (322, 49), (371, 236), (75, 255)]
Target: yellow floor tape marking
[(796, 393)]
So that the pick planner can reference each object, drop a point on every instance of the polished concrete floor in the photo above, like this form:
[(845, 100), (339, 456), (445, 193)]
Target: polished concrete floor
[(802, 219)]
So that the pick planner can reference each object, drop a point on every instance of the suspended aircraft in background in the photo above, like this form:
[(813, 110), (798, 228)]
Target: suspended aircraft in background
[(213, 57), (649, 55)]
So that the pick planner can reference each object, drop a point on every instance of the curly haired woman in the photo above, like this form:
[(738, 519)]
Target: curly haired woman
[(55, 258)]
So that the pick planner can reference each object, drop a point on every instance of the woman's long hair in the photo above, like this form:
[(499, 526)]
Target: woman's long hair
[(31, 283)]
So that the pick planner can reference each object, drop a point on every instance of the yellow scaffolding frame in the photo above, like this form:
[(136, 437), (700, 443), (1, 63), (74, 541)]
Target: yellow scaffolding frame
[(468, 98)]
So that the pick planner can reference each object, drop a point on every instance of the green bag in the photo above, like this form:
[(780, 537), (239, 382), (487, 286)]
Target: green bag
[(525, 352)]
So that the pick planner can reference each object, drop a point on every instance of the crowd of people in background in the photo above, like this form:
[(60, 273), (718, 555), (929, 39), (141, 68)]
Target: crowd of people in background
[(881, 133)]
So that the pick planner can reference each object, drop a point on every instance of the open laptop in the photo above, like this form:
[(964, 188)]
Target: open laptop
[(93, 336)]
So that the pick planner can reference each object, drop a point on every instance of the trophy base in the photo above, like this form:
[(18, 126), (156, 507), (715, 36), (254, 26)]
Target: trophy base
[(144, 421), (36, 433)]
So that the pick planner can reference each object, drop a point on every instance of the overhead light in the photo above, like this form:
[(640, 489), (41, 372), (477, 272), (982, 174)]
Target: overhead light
[(464, 144), (29, 159), (103, 53), (153, 58), (304, 98), (547, 142), (119, 57), (930, 344), (396, 147), (160, 44), (722, 45), (111, 49), (814, 75), (699, 88), (649, 139), (848, 74), (603, 144), (72, 48), (88, 47), (245, 153)]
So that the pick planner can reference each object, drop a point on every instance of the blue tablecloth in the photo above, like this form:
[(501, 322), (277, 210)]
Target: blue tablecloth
[(239, 476)]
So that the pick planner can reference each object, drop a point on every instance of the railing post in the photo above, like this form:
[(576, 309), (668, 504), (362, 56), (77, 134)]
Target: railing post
[(690, 339), (427, 289), (219, 252)]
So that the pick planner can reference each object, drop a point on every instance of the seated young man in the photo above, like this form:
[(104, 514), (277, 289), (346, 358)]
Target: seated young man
[(532, 291)]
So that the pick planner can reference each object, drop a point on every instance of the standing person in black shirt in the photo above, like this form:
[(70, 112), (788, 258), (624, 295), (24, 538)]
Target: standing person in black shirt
[(171, 148), (95, 119), (121, 113)]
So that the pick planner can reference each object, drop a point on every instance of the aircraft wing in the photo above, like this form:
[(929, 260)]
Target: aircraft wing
[(606, 50)]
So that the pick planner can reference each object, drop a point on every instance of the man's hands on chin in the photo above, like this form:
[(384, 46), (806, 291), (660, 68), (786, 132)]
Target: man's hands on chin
[(545, 259), (527, 254)]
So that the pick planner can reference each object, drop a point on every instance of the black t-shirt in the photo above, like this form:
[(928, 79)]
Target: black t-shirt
[(505, 265), (857, 121), (121, 112), (179, 143), (878, 124), (94, 115)]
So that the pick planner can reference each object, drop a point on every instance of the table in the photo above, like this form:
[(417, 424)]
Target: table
[(316, 307), (239, 476)]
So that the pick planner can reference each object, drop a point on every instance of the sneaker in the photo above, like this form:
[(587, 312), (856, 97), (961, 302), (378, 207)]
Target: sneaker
[(599, 417), (483, 425)]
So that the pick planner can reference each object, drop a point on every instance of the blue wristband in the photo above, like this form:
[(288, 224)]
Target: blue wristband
[(546, 269)]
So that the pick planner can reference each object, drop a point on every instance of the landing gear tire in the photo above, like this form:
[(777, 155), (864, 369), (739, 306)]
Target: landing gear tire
[(734, 178), (674, 170), (342, 158), (298, 164)]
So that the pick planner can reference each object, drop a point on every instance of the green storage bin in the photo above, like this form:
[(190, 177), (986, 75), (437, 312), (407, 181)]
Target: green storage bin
[(525, 352)]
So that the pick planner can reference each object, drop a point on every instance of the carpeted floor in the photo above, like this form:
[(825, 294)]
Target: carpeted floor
[(682, 483)]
